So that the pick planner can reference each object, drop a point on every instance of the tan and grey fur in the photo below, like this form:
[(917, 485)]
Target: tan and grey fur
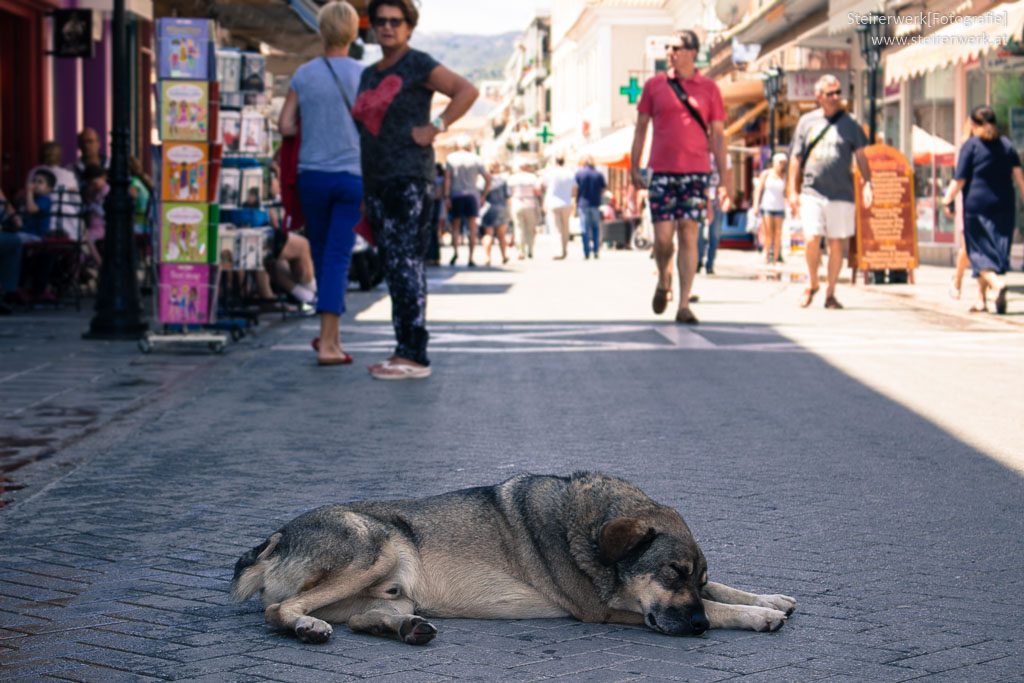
[(588, 546)]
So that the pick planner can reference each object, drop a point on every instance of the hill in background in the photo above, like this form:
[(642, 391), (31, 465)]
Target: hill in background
[(475, 57)]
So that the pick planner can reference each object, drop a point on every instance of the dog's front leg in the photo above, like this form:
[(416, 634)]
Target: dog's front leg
[(394, 619), (618, 616), (719, 592), (746, 617)]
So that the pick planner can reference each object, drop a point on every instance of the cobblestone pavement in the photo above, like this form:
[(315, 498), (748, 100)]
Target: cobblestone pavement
[(901, 540)]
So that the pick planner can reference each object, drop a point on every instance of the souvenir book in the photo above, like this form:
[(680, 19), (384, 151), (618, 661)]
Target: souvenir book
[(229, 70), (185, 172), (185, 292), (185, 233), (251, 193), (252, 136), (227, 247), (230, 188), (250, 248), (185, 48), (188, 111), (254, 67), (231, 130)]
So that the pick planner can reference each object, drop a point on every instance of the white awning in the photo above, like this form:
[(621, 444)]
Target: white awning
[(614, 149), (957, 43)]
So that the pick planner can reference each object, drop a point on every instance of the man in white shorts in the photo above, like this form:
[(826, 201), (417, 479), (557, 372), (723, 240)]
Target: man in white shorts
[(825, 143)]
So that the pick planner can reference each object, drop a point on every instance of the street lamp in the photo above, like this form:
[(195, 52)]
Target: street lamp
[(772, 86), (870, 31), (118, 303)]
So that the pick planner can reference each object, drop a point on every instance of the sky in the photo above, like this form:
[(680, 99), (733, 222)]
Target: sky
[(481, 17)]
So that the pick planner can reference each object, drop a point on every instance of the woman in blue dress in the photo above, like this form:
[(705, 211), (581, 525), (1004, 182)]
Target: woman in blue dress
[(986, 171)]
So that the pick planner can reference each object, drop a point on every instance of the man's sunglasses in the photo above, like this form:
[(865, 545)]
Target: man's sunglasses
[(393, 22), (833, 93)]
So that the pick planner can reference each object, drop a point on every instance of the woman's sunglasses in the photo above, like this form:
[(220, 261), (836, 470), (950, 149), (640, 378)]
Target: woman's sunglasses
[(393, 22)]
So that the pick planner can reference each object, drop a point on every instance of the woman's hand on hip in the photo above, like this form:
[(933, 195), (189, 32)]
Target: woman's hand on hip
[(424, 135)]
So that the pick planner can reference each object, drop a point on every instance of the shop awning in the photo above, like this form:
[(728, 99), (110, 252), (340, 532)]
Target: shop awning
[(928, 148), (741, 91), (736, 126), (957, 43), (614, 149)]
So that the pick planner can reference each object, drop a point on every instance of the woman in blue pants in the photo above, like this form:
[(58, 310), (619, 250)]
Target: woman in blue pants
[(330, 177)]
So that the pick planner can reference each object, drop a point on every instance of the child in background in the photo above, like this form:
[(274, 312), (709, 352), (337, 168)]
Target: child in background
[(94, 194), (36, 216)]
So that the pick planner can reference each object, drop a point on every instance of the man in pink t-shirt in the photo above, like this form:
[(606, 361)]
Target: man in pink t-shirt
[(680, 161)]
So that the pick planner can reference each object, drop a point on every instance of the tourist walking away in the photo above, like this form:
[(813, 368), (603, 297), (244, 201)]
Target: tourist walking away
[(820, 183), (687, 113), (330, 185), (770, 206), (397, 136), (588, 190), (986, 171), (464, 170), (494, 223), (711, 228), (525, 189), (558, 185)]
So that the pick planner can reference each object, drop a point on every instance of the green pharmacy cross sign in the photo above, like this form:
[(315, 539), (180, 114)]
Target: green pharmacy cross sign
[(632, 91), (545, 134)]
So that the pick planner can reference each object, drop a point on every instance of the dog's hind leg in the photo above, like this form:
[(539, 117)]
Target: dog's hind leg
[(394, 619), (294, 613), (719, 592), (747, 617)]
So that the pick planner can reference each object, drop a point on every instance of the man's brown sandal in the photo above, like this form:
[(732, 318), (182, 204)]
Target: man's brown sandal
[(833, 303), (686, 317), (660, 301), (808, 297)]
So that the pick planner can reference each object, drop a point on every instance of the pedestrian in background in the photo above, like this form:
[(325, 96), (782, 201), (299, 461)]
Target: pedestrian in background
[(820, 183), (330, 185), (688, 115), (494, 223), (711, 228), (587, 195), (397, 136), (67, 202), (986, 171), (558, 186), (525, 189), (464, 169), (770, 206)]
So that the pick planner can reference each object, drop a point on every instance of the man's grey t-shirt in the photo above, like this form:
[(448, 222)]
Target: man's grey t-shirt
[(828, 171), (330, 140), (464, 168)]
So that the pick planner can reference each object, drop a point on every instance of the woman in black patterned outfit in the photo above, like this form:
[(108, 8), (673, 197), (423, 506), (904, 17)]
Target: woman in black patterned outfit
[(396, 134)]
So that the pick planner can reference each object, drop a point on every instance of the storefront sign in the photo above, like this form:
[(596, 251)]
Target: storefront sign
[(887, 230), (72, 33), (800, 84)]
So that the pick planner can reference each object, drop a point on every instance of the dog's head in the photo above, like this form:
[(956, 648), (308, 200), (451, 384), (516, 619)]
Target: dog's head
[(661, 570)]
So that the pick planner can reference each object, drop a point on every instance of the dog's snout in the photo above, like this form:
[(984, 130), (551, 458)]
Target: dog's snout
[(699, 622)]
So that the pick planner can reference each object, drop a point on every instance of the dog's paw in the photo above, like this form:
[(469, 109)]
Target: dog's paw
[(417, 631), (782, 603), (768, 620), (313, 630)]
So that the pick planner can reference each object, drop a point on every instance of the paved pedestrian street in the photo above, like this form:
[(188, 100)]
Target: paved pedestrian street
[(865, 461)]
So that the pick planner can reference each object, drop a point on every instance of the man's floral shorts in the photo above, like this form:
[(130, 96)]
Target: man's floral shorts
[(678, 196)]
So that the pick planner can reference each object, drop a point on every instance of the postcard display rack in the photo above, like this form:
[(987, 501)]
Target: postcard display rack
[(247, 149), (188, 177)]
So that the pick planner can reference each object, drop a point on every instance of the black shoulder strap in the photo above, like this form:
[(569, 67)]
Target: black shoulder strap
[(337, 82), (832, 120), (677, 88)]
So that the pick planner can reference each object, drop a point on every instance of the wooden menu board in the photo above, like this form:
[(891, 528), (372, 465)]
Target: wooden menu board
[(887, 230)]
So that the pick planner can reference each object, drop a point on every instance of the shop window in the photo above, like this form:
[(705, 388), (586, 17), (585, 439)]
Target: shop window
[(932, 110)]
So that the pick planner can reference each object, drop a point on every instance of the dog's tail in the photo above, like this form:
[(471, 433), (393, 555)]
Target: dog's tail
[(249, 570)]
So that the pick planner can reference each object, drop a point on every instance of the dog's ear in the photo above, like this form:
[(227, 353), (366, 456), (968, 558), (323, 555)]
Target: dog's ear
[(621, 536)]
